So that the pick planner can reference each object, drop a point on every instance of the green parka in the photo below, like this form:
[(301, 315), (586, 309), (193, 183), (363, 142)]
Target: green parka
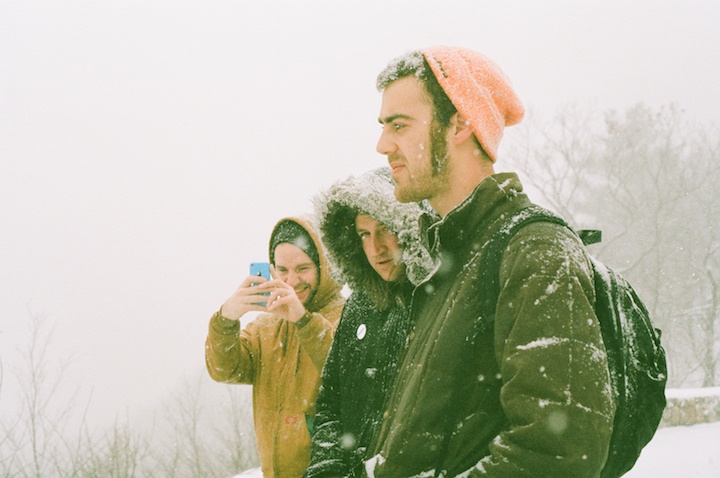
[(534, 399), (283, 362)]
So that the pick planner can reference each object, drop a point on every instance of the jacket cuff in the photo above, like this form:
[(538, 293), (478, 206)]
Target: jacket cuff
[(307, 317), (223, 325)]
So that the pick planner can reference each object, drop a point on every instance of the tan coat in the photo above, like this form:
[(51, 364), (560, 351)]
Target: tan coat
[(283, 362)]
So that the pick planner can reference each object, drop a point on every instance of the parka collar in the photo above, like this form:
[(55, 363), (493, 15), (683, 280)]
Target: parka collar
[(485, 204)]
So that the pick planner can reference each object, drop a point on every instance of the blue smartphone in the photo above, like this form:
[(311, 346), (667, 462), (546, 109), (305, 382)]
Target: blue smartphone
[(260, 269)]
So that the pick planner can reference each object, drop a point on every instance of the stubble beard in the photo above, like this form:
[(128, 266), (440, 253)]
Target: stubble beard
[(310, 295), (434, 176)]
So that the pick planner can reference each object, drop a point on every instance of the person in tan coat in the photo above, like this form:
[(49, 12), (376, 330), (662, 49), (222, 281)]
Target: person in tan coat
[(282, 352)]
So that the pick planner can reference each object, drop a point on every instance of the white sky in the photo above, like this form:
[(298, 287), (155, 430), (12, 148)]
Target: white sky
[(148, 147)]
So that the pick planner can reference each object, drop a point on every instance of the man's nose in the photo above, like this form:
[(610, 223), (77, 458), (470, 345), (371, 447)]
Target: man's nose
[(292, 278), (376, 246), (385, 145)]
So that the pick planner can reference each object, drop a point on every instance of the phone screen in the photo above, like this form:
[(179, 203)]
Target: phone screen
[(260, 269)]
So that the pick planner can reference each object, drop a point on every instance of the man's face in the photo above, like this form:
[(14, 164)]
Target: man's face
[(296, 269), (415, 146), (380, 246)]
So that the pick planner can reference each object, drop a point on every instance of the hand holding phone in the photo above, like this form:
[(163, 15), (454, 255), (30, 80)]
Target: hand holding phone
[(245, 298), (286, 304), (260, 269)]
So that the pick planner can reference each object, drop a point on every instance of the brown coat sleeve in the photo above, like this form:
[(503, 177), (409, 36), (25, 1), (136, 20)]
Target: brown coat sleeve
[(229, 353), (316, 336)]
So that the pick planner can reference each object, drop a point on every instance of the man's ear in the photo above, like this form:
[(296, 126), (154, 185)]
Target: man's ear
[(461, 128)]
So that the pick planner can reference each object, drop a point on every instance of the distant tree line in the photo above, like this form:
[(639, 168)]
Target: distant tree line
[(204, 431)]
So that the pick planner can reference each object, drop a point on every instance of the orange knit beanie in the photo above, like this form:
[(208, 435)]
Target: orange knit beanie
[(479, 90)]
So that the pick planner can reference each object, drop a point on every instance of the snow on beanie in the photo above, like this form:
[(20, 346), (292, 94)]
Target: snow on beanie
[(479, 90), (293, 233)]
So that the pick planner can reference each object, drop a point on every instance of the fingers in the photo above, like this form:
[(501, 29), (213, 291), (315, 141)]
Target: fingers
[(253, 286), (271, 285), (239, 304), (259, 294), (285, 303), (281, 296), (251, 281)]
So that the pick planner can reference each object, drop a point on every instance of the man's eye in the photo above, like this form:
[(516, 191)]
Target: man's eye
[(397, 126)]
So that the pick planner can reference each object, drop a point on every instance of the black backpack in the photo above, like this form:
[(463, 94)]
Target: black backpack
[(638, 369)]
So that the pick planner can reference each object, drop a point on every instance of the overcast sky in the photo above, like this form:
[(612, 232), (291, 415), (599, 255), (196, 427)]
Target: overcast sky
[(148, 147)]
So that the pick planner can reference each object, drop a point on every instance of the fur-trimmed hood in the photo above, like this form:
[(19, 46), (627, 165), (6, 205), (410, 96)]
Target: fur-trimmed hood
[(371, 194)]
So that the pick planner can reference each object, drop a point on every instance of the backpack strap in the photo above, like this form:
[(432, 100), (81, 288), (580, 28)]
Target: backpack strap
[(589, 236), (493, 254), (490, 290)]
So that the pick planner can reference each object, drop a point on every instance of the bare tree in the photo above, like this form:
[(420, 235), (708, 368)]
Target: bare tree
[(186, 417), (235, 434), (118, 452), (206, 430), (198, 434), (36, 441), (701, 320)]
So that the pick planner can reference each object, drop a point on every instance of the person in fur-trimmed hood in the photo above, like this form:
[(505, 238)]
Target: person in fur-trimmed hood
[(374, 243)]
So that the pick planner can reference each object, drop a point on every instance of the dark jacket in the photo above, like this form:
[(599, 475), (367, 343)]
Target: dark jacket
[(283, 362), (534, 399), (357, 376), (371, 337)]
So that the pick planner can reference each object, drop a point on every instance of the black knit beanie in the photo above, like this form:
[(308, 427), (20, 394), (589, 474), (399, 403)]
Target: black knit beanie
[(293, 233)]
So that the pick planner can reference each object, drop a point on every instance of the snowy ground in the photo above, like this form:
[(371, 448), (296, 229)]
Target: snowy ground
[(681, 452), (674, 452)]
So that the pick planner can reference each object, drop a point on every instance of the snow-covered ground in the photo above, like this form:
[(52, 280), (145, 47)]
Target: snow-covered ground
[(674, 452), (681, 452)]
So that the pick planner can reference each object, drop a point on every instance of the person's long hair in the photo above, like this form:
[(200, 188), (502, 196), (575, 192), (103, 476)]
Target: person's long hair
[(346, 251)]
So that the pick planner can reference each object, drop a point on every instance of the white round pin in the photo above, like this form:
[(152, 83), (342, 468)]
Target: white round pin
[(361, 331)]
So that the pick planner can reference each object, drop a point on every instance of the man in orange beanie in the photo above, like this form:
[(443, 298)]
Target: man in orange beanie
[(524, 390)]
